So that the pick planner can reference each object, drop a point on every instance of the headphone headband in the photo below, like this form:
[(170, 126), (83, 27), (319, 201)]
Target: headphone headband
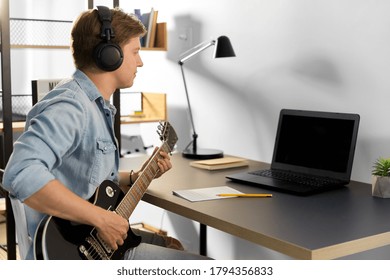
[(105, 18)]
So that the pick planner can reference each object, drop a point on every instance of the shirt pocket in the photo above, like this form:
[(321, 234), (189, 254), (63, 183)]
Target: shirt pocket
[(104, 161)]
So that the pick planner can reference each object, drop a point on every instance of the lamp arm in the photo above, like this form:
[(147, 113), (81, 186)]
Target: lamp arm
[(194, 134), (192, 54)]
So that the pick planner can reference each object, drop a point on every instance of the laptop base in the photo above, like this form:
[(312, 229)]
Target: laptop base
[(279, 185)]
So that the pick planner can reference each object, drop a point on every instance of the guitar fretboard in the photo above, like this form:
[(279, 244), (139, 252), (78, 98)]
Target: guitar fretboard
[(133, 196)]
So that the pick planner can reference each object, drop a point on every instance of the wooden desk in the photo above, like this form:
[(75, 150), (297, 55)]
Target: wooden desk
[(323, 226)]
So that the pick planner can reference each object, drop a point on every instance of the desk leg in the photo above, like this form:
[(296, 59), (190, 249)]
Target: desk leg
[(203, 240)]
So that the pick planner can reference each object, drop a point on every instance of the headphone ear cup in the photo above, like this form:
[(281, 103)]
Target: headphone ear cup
[(108, 56)]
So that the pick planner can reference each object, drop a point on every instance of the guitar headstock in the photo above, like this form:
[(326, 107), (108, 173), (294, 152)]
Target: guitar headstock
[(167, 134)]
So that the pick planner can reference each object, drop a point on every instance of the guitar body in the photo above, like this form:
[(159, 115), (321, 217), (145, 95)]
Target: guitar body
[(59, 239)]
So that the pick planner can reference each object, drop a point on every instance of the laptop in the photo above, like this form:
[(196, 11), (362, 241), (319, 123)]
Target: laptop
[(313, 153)]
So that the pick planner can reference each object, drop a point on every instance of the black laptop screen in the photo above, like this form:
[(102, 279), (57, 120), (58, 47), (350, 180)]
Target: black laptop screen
[(325, 142)]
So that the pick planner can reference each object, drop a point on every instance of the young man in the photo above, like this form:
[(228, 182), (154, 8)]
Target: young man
[(68, 148)]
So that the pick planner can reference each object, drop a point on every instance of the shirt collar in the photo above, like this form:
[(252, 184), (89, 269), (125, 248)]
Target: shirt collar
[(87, 85), (90, 89)]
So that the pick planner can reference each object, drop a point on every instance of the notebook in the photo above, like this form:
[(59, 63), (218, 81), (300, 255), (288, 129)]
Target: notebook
[(313, 151)]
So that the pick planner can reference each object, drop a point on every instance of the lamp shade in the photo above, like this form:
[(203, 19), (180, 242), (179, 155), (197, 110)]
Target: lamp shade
[(223, 48)]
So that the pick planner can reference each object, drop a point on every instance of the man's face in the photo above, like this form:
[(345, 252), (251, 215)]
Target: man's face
[(126, 73)]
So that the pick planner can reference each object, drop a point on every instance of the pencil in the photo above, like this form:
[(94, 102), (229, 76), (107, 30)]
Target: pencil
[(246, 194)]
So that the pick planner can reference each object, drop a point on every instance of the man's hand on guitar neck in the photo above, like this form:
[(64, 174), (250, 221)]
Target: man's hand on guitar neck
[(164, 164)]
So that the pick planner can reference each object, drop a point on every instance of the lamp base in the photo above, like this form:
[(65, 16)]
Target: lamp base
[(202, 154)]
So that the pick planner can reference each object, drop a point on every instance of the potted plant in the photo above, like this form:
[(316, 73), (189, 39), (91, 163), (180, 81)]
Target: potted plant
[(381, 178)]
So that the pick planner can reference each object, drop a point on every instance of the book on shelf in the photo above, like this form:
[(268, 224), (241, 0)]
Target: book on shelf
[(137, 13), (152, 28), (219, 163), (145, 21), (161, 36), (149, 27)]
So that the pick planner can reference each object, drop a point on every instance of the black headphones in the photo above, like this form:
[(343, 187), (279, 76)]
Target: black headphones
[(108, 56)]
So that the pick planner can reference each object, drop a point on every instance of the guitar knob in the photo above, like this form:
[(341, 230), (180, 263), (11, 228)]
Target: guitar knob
[(110, 192)]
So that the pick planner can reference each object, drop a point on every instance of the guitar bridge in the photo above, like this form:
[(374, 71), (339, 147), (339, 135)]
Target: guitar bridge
[(96, 248)]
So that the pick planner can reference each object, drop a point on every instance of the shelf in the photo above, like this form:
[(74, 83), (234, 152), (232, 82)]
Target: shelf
[(27, 33), (154, 109), (134, 120), (38, 47), (39, 33), (16, 126), (153, 49)]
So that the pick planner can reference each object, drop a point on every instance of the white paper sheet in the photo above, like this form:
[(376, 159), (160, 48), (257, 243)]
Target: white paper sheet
[(194, 195)]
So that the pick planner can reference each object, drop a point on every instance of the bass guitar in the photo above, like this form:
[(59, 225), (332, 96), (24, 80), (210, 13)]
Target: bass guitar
[(59, 239)]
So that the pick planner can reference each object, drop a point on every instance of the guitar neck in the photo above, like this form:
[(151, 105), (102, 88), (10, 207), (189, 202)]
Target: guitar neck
[(126, 207)]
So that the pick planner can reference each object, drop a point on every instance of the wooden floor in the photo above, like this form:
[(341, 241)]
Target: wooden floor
[(3, 235), (3, 239)]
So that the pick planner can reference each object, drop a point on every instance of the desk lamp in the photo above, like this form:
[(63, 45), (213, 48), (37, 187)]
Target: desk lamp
[(223, 48)]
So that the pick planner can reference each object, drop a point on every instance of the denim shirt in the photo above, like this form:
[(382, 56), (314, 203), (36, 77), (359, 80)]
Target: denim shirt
[(69, 136)]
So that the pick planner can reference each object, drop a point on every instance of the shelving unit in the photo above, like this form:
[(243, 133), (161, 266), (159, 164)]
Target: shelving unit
[(7, 144), (155, 112)]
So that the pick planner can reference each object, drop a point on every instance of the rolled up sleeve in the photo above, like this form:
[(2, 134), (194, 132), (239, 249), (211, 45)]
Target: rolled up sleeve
[(48, 137)]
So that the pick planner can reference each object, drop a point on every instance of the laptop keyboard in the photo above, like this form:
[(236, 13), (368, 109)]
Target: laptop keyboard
[(301, 179)]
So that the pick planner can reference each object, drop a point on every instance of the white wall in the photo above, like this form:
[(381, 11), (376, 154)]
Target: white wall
[(318, 55), (330, 55), (314, 54)]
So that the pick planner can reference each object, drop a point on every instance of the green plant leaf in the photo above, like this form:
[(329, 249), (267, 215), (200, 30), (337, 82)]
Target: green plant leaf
[(381, 167)]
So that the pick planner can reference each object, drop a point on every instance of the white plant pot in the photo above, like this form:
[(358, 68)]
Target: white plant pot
[(381, 186)]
